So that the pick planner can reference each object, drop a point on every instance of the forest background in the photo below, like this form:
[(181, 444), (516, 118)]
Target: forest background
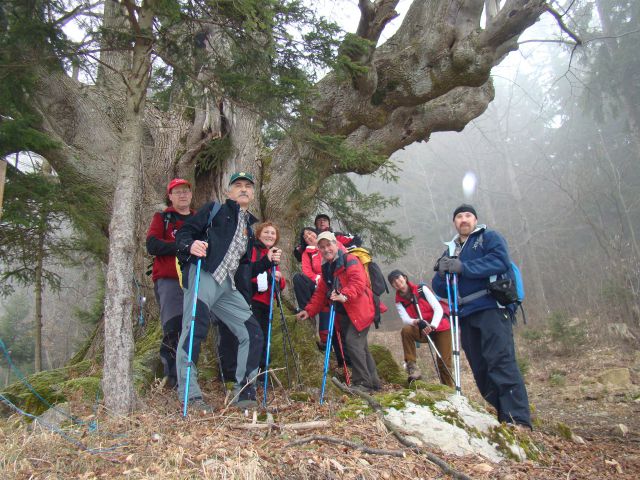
[(555, 155)]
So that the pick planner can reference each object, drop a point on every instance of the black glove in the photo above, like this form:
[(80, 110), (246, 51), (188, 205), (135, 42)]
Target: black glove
[(441, 265), (450, 265), (455, 266)]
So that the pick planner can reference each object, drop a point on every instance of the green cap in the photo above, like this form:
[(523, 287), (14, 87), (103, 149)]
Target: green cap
[(241, 176)]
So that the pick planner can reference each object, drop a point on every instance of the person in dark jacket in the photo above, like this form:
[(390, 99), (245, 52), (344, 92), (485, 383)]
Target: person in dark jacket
[(161, 242), (478, 256), (344, 282), (222, 246)]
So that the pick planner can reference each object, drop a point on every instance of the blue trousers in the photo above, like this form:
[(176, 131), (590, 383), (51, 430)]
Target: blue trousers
[(487, 340)]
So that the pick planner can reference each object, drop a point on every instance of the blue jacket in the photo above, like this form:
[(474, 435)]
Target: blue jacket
[(485, 253)]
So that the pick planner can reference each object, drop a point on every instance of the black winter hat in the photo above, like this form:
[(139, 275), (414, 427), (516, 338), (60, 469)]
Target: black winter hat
[(465, 207), (395, 274)]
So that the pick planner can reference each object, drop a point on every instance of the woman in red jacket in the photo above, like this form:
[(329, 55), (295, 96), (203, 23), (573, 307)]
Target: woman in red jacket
[(267, 236), (435, 323)]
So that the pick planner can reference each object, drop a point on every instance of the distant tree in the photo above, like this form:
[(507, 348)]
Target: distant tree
[(16, 331), (36, 234)]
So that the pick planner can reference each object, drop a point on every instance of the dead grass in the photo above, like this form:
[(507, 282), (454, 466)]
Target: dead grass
[(155, 442)]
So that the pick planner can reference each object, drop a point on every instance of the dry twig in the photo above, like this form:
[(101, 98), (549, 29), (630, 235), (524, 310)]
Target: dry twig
[(283, 426), (341, 441)]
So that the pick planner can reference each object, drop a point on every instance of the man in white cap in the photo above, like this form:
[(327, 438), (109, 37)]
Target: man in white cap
[(344, 282)]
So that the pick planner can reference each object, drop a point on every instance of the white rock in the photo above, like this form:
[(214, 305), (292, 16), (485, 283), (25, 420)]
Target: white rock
[(434, 430)]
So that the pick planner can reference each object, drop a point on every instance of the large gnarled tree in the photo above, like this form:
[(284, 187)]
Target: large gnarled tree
[(217, 61)]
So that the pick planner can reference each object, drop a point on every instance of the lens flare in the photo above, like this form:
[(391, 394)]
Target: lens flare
[(469, 182)]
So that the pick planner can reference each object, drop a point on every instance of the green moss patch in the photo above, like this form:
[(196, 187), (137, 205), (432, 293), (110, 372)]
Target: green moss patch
[(388, 369)]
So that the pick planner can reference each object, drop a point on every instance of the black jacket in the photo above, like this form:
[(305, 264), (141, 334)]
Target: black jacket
[(219, 236)]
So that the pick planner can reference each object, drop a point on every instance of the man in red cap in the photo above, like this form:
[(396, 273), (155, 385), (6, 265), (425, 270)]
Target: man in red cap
[(161, 242)]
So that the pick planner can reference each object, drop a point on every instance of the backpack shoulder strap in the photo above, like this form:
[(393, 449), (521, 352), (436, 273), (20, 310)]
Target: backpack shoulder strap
[(215, 208), (167, 218)]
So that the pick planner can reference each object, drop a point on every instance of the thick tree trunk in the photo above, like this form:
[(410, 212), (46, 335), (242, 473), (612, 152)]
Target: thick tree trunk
[(117, 382)]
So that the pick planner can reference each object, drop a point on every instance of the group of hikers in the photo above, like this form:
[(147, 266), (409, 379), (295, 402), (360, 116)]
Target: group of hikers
[(229, 268)]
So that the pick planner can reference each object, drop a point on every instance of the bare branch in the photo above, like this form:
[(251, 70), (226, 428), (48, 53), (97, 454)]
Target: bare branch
[(342, 441), (563, 26)]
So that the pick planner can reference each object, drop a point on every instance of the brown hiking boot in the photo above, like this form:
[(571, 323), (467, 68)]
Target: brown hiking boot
[(413, 371)]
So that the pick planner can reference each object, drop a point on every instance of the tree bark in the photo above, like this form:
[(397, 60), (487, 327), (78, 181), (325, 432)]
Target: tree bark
[(117, 383)]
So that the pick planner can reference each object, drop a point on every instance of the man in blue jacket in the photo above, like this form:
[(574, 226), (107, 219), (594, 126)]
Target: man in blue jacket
[(223, 245), (478, 255)]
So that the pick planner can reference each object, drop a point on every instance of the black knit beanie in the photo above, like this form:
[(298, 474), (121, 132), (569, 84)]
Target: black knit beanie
[(465, 207)]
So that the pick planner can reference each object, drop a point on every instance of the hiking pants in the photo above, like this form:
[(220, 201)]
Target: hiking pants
[(323, 333), (487, 340), (303, 287), (442, 340), (170, 299), (230, 308), (363, 367)]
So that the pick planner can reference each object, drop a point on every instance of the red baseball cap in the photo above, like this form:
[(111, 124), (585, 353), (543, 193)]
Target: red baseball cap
[(175, 182)]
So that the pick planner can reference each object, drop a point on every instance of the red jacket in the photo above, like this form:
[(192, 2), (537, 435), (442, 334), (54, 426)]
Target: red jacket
[(312, 263), (161, 241), (352, 281), (258, 253), (425, 308)]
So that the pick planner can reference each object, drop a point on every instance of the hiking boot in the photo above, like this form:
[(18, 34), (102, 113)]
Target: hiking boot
[(413, 371), (247, 398), (200, 406)]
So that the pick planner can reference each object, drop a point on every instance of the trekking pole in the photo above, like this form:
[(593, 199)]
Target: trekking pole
[(454, 335), (456, 322), (191, 329), (216, 353), (285, 334), (345, 369), (431, 344), (266, 363), (327, 353)]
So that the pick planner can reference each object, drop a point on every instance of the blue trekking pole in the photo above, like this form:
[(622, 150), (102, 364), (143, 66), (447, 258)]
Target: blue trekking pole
[(456, 322), (266, 363), (191, 329), (327, 353), (454, 331)]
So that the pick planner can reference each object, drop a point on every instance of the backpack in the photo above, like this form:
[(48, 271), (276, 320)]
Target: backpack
[(375, 278), (508, 291)]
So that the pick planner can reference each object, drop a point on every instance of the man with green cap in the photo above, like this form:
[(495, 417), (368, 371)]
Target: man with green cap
[(223, 244)]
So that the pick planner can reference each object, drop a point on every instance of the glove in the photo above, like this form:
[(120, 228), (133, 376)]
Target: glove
[(451, 265), (455, 266), (263, 282), (441, 266)]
